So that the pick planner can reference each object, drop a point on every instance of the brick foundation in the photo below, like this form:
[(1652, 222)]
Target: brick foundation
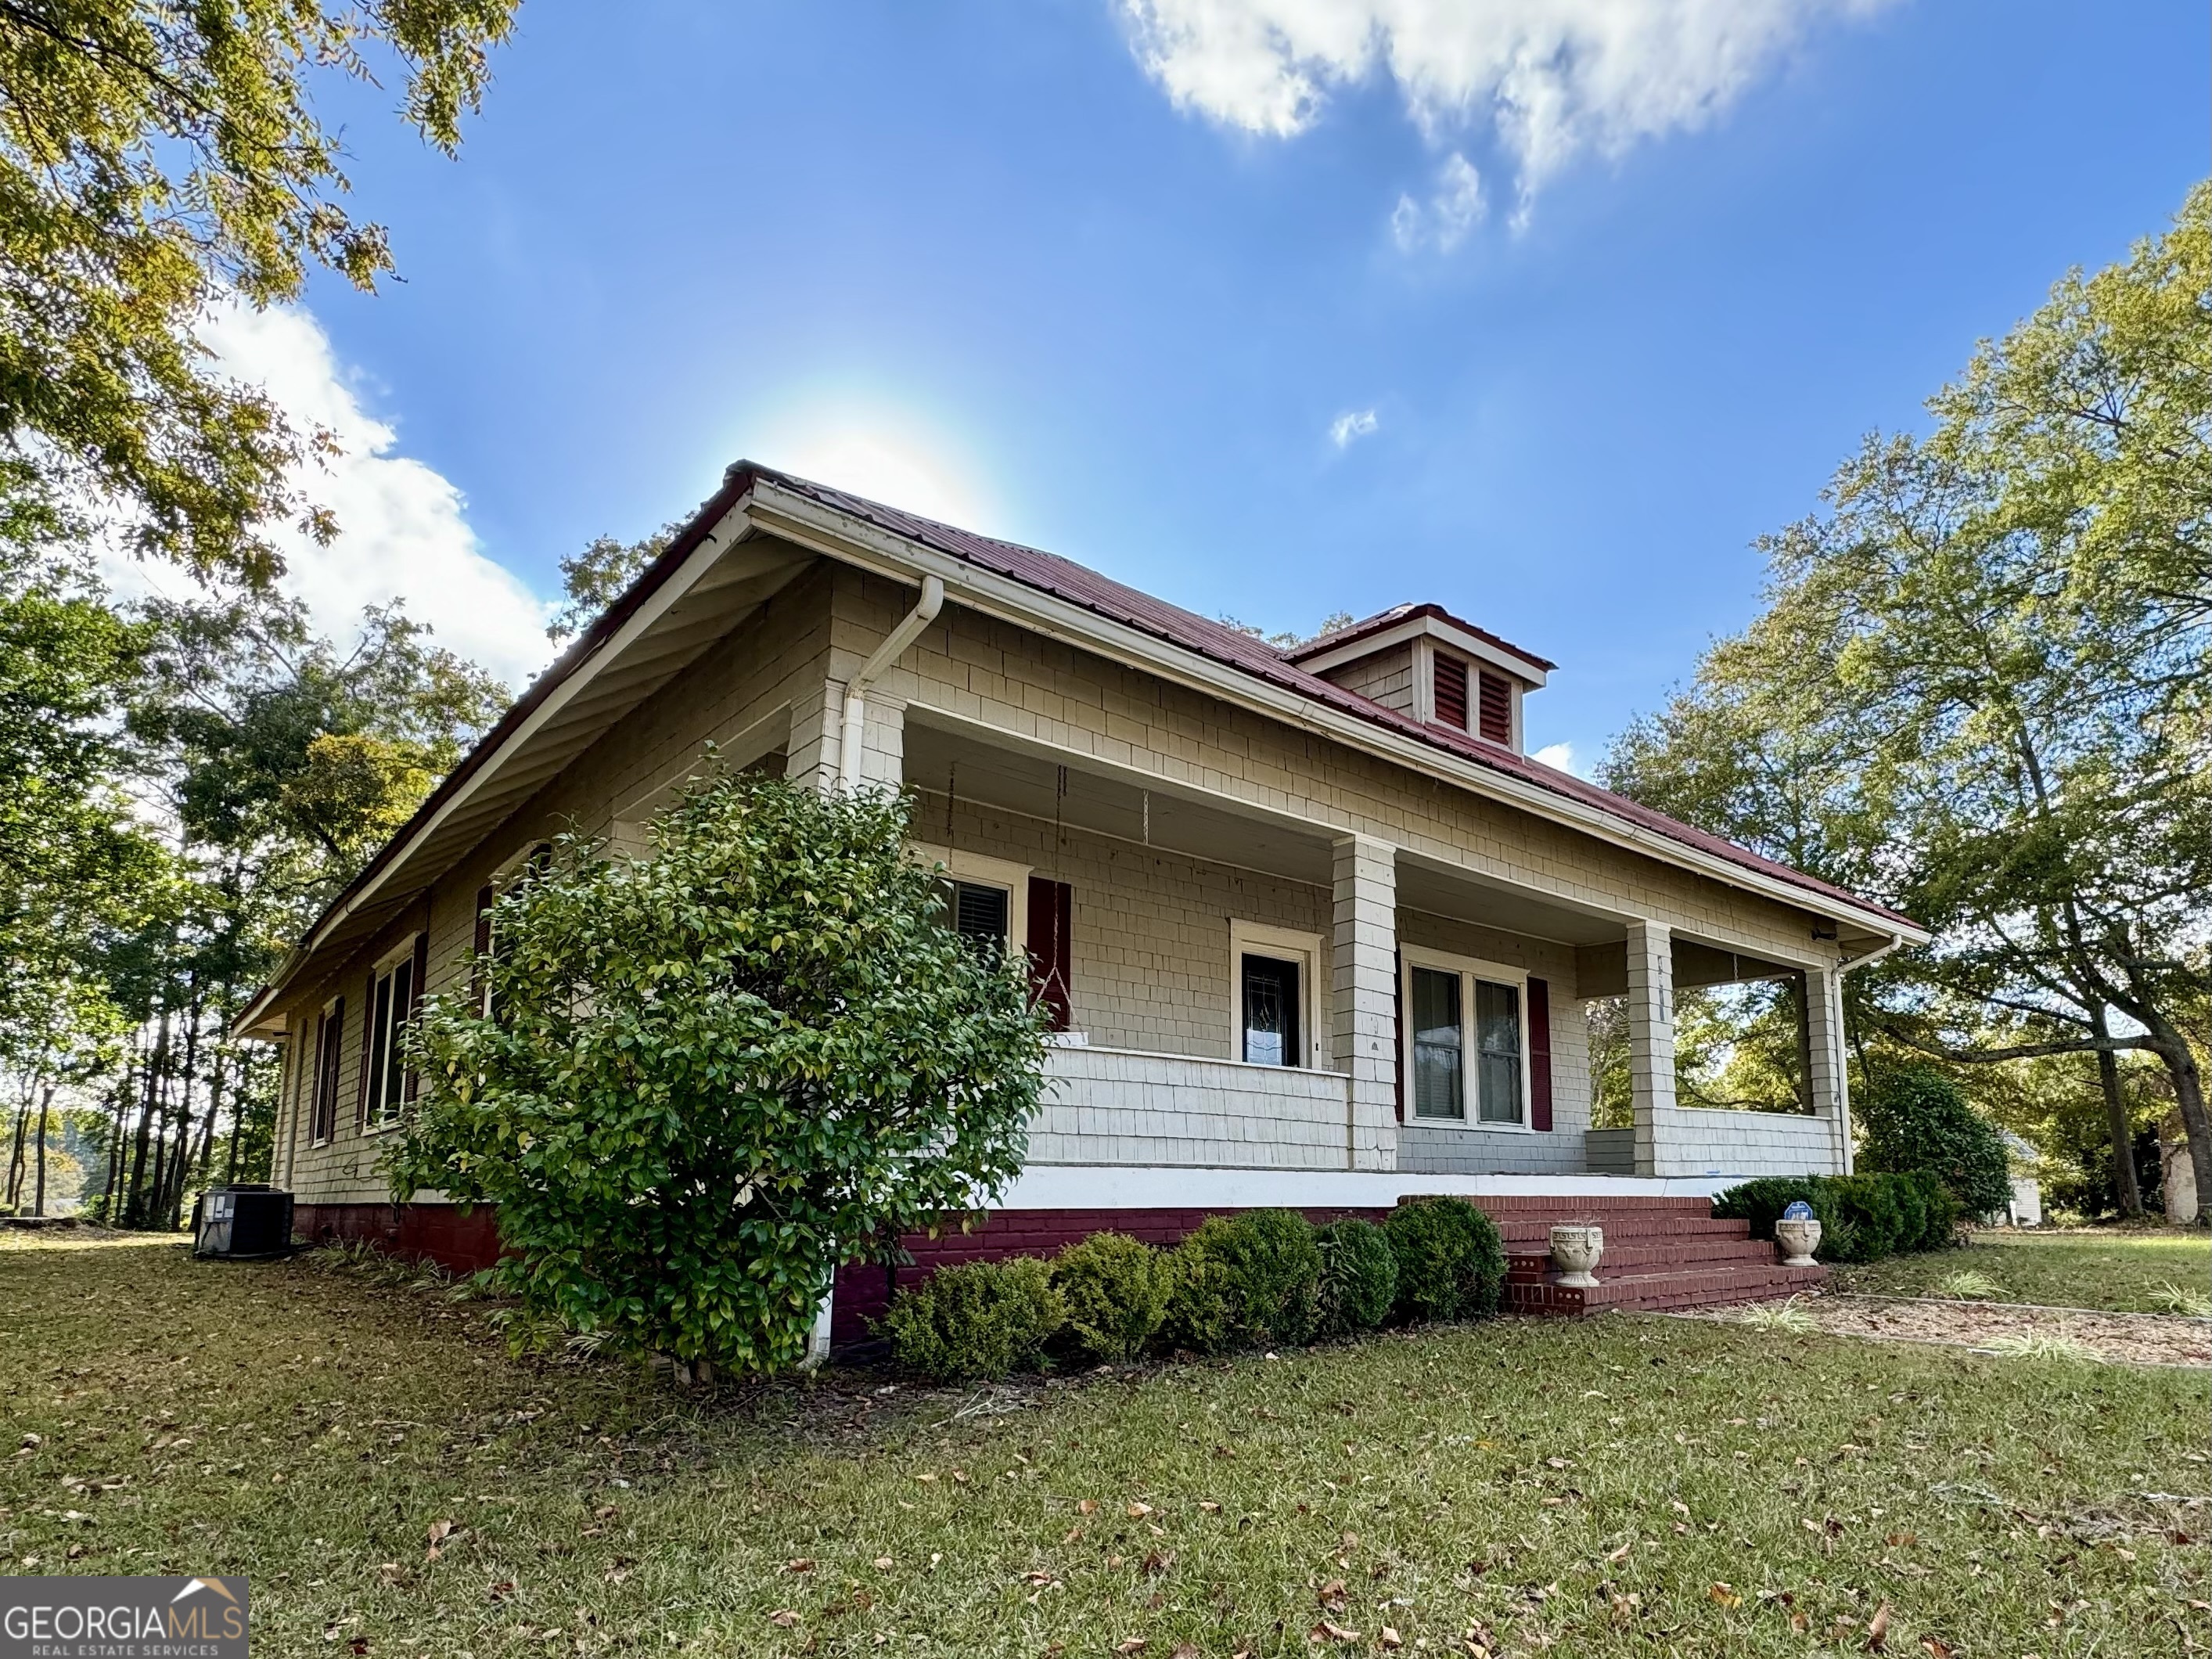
[(420, 1232)]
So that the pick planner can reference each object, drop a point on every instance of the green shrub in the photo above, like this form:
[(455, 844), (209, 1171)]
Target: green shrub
[(1912, 1201), (1450, 1264), (1761, 1203), (1252, 1278), (1914, 1118), (1939, 1230), (1115, 1289), (1870, 1224), (981, 1319), (1358, 1276)]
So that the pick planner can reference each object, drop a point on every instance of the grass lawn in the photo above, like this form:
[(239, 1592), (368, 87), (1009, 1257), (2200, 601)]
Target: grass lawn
[(2101, 1268), (1617, 1486)]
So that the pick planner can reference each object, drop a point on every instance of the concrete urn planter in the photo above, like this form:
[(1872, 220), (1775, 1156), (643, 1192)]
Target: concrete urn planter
[(1575, 1251), (1798, 1240)]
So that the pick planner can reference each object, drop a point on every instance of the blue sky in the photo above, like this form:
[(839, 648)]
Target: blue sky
[(1071, 276)]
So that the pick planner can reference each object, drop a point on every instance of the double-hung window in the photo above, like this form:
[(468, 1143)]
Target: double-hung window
[(986, 899), (391, 1005), (1467, 1040)]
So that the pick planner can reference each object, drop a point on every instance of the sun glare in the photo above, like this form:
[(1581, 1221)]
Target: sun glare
[(869, 456)]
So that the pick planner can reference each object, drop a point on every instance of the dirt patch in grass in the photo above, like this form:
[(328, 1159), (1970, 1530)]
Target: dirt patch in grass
[(2001, 1328), (394, 1485)]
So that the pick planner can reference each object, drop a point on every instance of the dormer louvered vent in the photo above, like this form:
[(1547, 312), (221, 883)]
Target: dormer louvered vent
[(1426, 664)]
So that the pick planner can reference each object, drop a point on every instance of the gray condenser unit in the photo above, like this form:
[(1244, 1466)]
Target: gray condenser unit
[(248, 1219)]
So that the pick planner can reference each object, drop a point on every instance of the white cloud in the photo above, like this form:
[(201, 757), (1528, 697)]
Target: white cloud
[(1350, 426), (403, 527), (1558, 755), (1444, 222), (1555, 78)]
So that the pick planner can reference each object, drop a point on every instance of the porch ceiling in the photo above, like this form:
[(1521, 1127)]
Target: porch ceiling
[(945, 762)]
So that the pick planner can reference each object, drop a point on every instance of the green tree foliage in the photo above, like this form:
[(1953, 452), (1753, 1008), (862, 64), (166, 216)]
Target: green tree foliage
[(594, 578), (154, 160), (716, 1073), (1978, 688), (1915, 1118)]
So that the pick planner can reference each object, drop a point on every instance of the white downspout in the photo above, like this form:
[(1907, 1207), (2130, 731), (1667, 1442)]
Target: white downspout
[(856, 689), (849, 735)]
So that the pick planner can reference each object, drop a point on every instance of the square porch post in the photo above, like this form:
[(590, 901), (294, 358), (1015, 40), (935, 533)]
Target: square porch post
[(1828, 1076), (1364, 971), (1652, 1048)]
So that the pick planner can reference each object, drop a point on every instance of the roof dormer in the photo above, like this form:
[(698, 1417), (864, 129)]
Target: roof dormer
[(1426, 662)]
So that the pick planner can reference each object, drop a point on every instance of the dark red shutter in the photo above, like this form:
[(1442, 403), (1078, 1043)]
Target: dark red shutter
[(482, 945), (1540, 1054), (1496, 708), (367, 1043), (415, 999), (1052, 913), (1451, 691)]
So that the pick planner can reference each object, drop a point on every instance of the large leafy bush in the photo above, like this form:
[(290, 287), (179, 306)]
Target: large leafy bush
[(1252, 1278), (1358, 1277), (1450, 1263), (1115, 1291), (1761, 1203), (979, 1319), (1915, 1118), (715, 1073)]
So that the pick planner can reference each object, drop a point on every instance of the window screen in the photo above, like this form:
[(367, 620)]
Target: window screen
[(1271, 1011), (1439, 1076), (978, 912), (1498, 1042)]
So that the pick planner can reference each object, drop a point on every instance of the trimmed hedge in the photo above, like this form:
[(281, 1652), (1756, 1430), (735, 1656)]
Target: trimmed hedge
[(1358, 1276), (1863, 1218), (1246, 1279), (1115, 1291), (1450, 1263), (1259, 1278), (987, 1319)]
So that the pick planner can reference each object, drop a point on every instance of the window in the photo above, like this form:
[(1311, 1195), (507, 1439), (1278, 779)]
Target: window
[(1465, 1040), (1439, 1076), (985, 898), (979, 912), (391, 1005), (1274, 975), (330, 1039)]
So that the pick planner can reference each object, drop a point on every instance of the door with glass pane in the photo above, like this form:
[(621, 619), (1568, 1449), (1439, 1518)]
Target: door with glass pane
[(1271, 996)]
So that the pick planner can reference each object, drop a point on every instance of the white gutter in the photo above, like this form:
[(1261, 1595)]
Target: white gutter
[(836, 535), (856, 689)]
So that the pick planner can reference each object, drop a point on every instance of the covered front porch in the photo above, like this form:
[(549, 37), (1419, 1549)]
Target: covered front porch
[(1253, 999)]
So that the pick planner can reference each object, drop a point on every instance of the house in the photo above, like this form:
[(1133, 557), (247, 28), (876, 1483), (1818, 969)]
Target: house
[(1316, 930)]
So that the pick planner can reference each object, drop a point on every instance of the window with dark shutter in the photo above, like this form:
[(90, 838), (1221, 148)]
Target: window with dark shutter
[(1451, 691), (1496, 708), (329, 1040), (1052, 906)]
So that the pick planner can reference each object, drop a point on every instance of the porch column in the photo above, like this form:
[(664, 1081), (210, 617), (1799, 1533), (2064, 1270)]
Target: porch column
[(1363, 969), (1651, 1047), (1827, 1077)]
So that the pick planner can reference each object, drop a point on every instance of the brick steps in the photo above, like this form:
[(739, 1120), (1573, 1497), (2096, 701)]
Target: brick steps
[(1660, 1255)]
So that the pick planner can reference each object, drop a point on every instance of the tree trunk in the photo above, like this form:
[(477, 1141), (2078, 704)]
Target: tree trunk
[(134, 1208), (2172, 1046), (111, 1178), (15, 1153), (46, 1105), (2116, 1116)]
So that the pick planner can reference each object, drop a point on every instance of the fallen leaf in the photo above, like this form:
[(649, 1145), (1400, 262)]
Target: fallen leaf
[(785, 1616), (1072, 1534), (925, 1479), (440, 1531), (605, 1512), (1039, 1579), (800, 1564), (1130, 1644), (1680, 1508), (1935, 1648), (1878, 1629), (1331, 1595), (1138, 1511), (1620, 1555), (960, 1477), (1390, 1639), (1205, 1507), (883, 1564), (1184, 1650), (1800, 1623), (1086, 1506), (1326, 1632), (1158, 1561), (1724, 1596)]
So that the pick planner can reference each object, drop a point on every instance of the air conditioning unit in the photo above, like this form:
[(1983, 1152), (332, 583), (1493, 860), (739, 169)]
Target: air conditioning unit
[(243, 1222)]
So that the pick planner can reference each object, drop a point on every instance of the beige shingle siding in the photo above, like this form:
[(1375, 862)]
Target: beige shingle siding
[(1386, 678)]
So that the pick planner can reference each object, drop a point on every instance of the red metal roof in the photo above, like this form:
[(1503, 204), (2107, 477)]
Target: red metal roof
[(1351, 633), (1218, 642)]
